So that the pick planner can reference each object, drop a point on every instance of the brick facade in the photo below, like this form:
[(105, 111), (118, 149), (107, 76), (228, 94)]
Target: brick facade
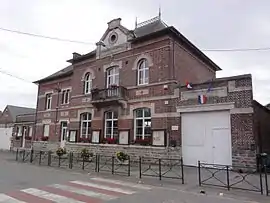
[(172, 61)]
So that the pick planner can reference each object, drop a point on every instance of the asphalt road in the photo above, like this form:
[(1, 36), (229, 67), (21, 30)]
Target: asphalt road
[(22, 182)]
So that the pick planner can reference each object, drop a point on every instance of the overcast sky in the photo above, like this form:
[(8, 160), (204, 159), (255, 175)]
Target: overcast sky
[(209, 24)]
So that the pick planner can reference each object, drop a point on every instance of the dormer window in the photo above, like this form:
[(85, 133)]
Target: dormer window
[(143, 72), (87, 83)]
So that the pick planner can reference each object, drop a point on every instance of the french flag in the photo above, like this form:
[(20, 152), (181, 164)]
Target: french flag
[(188, 85), (202, 99)]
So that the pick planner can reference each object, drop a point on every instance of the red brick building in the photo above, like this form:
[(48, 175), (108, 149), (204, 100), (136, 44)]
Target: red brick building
[(131, 91)]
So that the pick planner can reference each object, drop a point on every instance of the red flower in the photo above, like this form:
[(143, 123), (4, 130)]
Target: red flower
[(44, 138)]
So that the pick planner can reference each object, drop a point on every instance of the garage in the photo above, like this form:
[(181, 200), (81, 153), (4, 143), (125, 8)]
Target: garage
[(206, 137)]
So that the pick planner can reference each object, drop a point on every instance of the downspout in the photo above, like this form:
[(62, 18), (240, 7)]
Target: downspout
[(35, 122)]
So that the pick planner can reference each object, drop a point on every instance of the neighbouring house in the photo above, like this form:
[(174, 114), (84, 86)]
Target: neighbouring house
[(23, 130), (7, 121), (149, 92)]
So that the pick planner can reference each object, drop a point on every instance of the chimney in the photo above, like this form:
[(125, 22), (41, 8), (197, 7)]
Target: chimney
[(114, 23), (76, 55)]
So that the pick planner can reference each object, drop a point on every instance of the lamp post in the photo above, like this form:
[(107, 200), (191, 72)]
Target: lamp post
[(58, 89)]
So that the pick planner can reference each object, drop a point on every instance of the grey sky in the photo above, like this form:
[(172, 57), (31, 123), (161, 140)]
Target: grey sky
[(209, 24)]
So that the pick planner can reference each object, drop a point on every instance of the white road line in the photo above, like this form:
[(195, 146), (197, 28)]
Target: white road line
[(50, 196), (114, 189), (139, 186), (7, 199), (83, 192)]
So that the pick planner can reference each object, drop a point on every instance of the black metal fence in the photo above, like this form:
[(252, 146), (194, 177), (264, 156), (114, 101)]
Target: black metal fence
[(267, 180), (248, 179), (161, 168)]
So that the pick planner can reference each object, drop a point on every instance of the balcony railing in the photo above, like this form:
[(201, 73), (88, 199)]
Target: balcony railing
[(109, 94)]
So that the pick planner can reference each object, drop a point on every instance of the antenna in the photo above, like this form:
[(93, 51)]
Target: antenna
[(159, 12), (136, 23)]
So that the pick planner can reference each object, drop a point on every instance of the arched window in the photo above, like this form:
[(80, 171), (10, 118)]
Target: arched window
[(143, 72), (87, 83), (85, 127), (112, 76), (142, 123), (111, 125)]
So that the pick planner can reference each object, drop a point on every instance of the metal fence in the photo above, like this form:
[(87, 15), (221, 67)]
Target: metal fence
[(161, 168), (243, 178), (267, 180)]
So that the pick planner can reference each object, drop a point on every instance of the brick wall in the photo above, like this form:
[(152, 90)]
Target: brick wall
[(262, 127)]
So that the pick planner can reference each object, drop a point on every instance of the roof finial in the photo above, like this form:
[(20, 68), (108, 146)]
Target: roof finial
[(159, 12), (136, 23)]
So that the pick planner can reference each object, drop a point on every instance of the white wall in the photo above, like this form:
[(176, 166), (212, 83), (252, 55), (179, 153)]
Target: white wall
[(5, 135)]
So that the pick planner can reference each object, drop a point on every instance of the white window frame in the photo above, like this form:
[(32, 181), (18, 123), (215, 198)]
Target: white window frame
[(88, 122), (112, 119), (88, 80), (30, 132), (46, 130), (65, 96), (143, 118), (143, 67), (64, 129), (19, 133), (113, 73), (48, 101)]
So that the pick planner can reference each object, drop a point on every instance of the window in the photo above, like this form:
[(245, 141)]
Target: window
[(19, 131), (111, 125), (142, 123), (46, 130), (112, 76), (85, 125), (87, 83), (64, 130), (30, 132), (65, 96), (143, 72), (48, 101)]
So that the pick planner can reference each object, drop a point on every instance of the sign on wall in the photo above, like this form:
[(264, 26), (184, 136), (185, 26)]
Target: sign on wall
[(96, 136), (159, 138), (124, 137)]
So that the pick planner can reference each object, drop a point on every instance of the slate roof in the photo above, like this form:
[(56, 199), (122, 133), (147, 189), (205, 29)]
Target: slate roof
[(143, 31), (18, 110)]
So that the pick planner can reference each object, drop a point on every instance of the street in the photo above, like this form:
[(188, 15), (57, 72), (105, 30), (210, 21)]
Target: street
[(23, 182)]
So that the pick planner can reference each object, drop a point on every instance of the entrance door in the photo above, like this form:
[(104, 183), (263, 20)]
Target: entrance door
[(221, 143), (63, 133)]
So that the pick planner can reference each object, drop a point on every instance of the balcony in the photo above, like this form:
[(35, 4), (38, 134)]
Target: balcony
[(110, 96)]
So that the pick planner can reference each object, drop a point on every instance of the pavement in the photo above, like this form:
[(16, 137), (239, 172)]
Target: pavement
[(27, 183)]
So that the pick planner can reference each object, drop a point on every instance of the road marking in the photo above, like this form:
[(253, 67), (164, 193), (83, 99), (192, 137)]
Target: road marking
[(50, 196), (114, 189), (83, 192), (7, 199), (139, 186)]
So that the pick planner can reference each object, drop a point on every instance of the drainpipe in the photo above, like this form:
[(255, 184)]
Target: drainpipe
[(57, 108)]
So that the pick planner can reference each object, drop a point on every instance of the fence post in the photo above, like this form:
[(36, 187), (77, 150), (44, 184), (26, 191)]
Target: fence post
[(228, 177), (70, 159), (98, 157), (31, 155), (17, 152), (112, 164), (39, 161), (128, 165), (159, 168), (49, 158), (199, 172), (182, 170), (23, 155), (261, 184), (140, 167), (96, 163), (59, 161), (266, 180), (83, 162)]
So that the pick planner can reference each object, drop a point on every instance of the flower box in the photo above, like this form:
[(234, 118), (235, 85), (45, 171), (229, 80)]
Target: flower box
[(84, 139), (28, 138), (110, 141), (146, 141), (44, 138)]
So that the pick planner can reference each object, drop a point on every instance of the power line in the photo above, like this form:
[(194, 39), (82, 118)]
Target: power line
[(89, 43), (43, 36), (14, 76), (238, 50)]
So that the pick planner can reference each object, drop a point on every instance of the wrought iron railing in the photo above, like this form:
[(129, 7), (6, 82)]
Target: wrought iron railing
[(117, 92)]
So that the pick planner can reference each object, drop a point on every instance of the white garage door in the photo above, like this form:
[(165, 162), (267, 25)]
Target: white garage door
[(206, 137), (5, 135)]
